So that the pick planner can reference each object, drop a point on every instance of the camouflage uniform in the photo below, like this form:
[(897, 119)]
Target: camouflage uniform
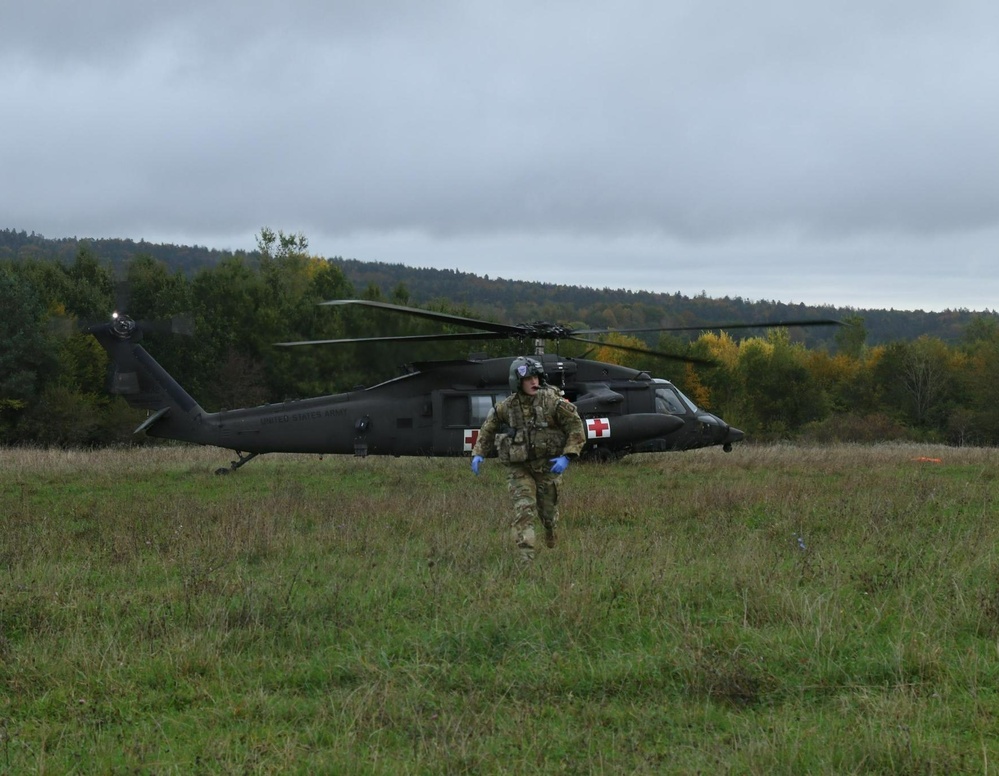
[(527, 432)]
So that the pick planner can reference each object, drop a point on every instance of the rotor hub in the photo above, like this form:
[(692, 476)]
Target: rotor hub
[(544, 330), (122, 326)]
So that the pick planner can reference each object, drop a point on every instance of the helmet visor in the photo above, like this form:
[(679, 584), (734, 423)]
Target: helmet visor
[(530, 369)]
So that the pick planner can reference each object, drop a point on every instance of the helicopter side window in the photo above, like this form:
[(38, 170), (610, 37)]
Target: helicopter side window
[(668, 403), (465, 410), (480, 408)]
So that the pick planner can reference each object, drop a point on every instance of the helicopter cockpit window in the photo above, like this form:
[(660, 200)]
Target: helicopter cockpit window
[(686, 400), (668, 402)]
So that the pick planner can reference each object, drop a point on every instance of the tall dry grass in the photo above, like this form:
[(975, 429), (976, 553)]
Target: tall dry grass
[(780, 609)]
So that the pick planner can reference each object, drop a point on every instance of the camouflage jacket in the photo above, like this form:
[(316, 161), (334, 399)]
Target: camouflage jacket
[(522, 428)]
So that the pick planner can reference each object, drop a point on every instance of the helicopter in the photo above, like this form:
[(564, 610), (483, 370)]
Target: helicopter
[(434, 408)]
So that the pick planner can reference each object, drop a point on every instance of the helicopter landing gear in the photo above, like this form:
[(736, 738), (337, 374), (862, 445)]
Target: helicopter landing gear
[(242, 459)]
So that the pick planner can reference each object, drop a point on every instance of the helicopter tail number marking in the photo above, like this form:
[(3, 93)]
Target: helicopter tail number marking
[(597, 428)]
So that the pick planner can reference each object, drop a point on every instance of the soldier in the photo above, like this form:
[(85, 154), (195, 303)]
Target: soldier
[(535, 432)]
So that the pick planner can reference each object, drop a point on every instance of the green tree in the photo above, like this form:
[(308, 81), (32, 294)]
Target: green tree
[(917, 381), (851, 337), (780, 392), (89, 293), (63, 417), (718, 387), (227, 301), (297, 283), (981, 329), (24, 351), (242, 311), (977, 419)]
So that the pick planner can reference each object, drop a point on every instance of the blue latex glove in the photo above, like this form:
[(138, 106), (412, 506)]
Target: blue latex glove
[(476, 460), (560, 464)]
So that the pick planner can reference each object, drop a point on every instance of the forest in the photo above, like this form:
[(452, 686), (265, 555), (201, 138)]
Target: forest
[(213, 318)]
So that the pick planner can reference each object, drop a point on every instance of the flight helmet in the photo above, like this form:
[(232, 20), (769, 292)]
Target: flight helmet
[(522, 367)]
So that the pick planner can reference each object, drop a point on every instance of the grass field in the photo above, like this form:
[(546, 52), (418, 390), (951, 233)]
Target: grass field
[(775, 610)]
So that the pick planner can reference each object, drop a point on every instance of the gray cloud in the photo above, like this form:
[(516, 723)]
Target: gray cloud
[(845, 155)]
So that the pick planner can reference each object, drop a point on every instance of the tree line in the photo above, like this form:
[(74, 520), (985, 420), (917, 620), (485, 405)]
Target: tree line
[(214, 328), (516, 301)]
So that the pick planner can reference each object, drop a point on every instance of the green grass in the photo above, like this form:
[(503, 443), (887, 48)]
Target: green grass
[(777, 610)]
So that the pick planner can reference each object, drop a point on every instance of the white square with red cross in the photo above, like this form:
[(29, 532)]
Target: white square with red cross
[(598, 428)]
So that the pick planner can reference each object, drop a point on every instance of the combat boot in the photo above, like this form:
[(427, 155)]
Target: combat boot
[(549, 537)]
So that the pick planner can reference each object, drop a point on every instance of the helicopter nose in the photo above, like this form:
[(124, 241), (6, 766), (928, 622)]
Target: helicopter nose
[(732, 435)]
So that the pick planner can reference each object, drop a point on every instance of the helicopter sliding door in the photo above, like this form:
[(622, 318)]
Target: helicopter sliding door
[(460, 415)]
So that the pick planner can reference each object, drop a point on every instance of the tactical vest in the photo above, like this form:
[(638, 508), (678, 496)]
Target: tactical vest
[(530, 434)]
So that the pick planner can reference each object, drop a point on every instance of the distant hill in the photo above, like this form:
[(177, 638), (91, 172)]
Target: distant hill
[(519, 301), (188, 259)]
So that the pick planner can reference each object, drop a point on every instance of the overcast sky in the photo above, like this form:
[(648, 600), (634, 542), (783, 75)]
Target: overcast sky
[(842, 153)]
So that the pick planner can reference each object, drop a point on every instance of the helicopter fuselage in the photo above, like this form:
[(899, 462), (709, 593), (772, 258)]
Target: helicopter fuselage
[(435, 409)]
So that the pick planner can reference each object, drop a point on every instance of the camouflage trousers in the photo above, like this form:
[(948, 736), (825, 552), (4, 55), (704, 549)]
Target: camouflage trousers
[(534, 490)]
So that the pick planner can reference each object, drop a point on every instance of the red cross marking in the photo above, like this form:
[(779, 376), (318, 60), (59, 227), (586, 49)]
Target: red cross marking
[(471, 435), (595, 428)]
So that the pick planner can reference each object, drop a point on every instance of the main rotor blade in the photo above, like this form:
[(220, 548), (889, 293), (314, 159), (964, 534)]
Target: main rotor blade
[(713, 326), (470, 335), (430, 315), (540, 329), (646, 351)]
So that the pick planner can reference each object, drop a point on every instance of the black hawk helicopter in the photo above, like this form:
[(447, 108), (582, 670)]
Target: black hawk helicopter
[(435, 408)]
